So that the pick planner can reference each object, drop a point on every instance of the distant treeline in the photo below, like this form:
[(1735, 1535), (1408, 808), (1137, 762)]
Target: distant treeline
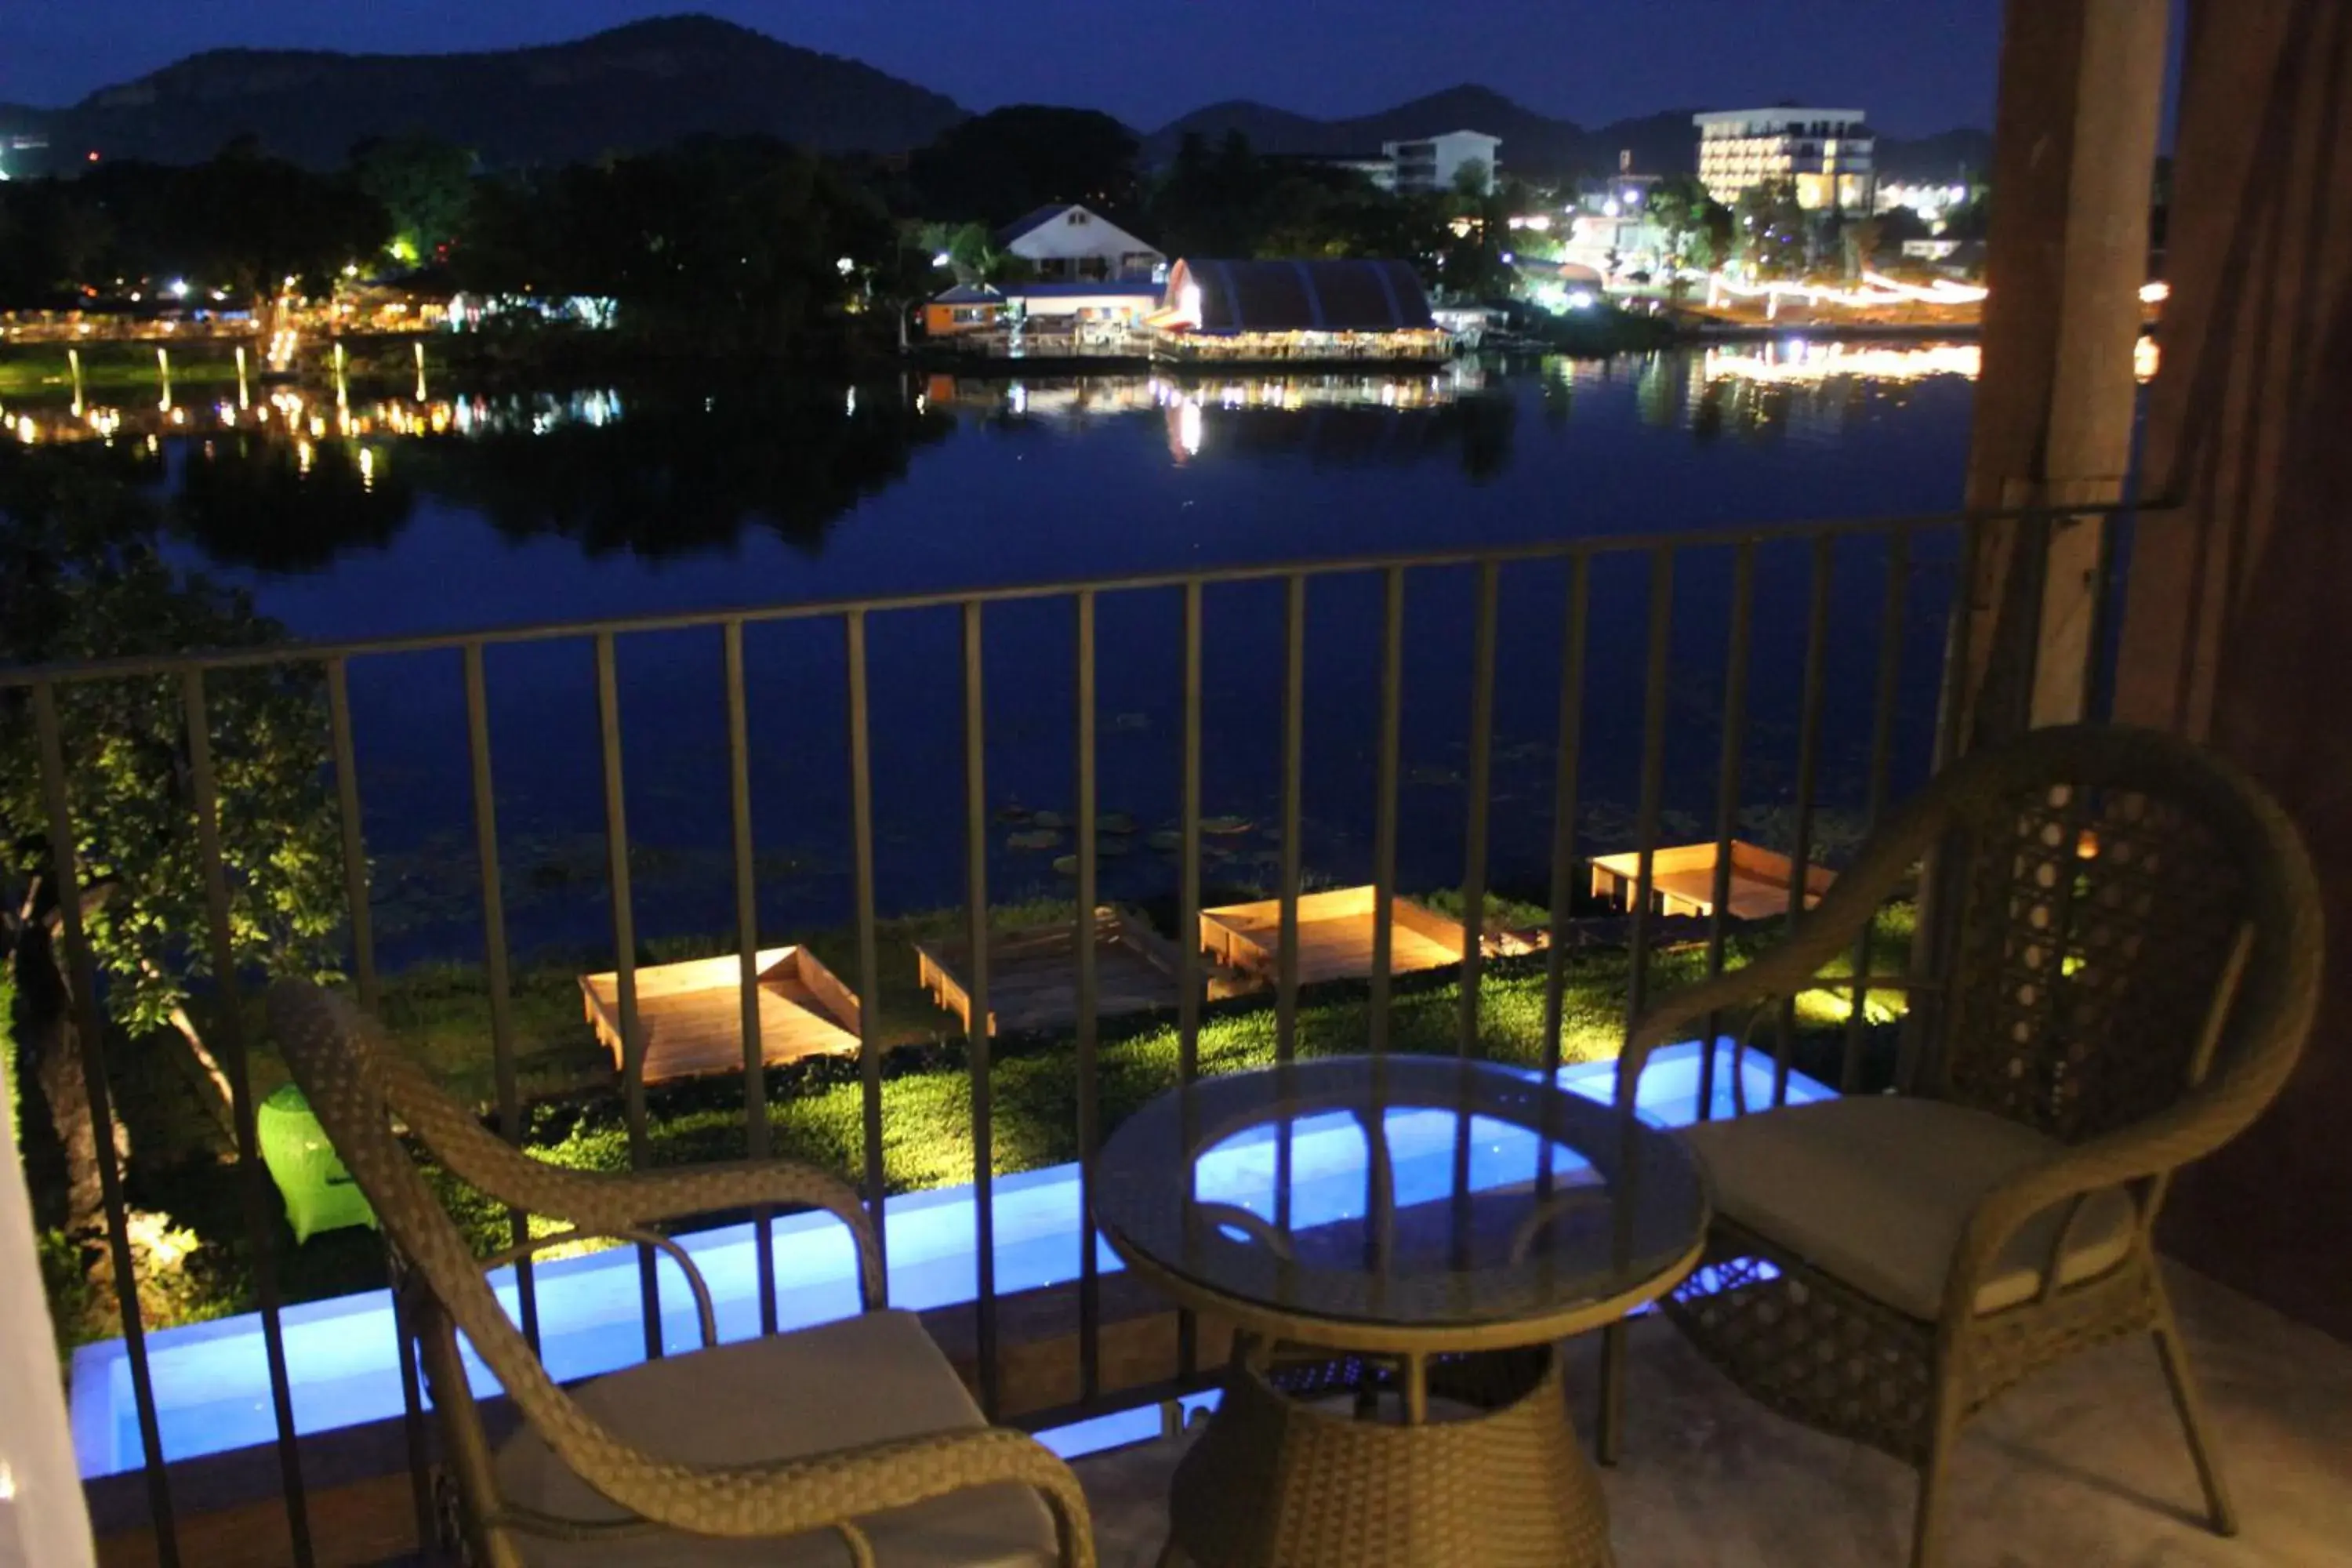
[(718, 242)]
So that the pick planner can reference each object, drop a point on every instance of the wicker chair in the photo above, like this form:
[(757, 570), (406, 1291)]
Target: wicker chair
[(852, 1443), (2127, 977)]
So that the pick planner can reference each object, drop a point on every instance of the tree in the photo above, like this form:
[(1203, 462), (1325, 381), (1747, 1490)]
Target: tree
[(1694, 229), (84, 577), (1862, 237), (721, 245), (998, 166), (249, 222), (1214, 202), (55, 238), (424, 185), (1769, 233)]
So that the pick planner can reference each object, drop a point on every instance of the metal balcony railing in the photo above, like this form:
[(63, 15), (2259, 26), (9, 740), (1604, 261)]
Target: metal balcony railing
[(1919, 561)]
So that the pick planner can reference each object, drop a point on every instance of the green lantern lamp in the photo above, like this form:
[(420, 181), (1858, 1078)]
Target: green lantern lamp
[(319, 1192)]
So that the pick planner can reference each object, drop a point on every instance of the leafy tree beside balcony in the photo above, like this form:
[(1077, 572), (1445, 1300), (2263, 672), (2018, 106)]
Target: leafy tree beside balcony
[(81, 576)]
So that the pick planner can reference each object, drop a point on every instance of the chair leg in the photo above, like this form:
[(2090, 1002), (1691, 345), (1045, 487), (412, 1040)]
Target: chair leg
[(1927, 1517), (2174, 1355), (1610, 1430)]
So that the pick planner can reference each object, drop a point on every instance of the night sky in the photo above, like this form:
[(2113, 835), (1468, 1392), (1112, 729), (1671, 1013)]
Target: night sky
[(1914, 66)]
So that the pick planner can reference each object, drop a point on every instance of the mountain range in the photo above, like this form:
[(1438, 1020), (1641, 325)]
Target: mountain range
[(650, 83)]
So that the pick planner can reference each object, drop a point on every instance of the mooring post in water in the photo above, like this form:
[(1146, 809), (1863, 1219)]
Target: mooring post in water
[(164, 377), (73, 363), (244, 396), (420, 371)]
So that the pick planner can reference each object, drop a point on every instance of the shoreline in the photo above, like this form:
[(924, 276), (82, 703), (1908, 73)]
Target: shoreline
[(119, 365)]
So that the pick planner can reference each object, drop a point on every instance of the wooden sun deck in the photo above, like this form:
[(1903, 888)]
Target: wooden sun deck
[(691, 1013), (1335, 937), (1682, 880), (1032, 974)]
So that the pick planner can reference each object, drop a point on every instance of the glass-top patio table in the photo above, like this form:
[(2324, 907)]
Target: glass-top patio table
[(1399, 1242)]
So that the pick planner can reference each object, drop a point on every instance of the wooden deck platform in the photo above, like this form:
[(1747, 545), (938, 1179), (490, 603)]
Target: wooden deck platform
[(1335, 936), (1682, 880), (1032, 974), (692, 1014)]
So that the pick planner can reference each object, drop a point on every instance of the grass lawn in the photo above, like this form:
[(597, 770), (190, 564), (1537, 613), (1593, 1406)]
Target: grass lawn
[(32, 370)]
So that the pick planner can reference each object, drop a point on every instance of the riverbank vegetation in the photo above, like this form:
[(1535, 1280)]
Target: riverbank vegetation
[(715, 247)]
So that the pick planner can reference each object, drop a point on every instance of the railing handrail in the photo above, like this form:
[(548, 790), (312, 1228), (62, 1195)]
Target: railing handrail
[(1724, 535)]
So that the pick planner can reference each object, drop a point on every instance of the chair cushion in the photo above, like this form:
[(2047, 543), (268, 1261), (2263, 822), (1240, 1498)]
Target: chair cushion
[(860, 1380), (1875, 1191)]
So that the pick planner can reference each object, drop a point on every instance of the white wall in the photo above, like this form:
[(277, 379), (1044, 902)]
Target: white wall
[(1453, 149), (43, 1520), (1095, 237)]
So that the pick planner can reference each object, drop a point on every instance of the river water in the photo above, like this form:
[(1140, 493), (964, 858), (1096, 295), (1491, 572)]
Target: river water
[(451, 511)]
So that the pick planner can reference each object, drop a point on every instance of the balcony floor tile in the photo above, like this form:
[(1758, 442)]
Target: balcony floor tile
[(2084, 1465)]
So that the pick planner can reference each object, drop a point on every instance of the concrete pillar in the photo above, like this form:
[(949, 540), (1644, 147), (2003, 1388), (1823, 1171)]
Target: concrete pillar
[(2238, 622), (2074, 149)]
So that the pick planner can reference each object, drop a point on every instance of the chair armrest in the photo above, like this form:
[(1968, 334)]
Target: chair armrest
[(2148, 1148), (599, 1202), (1769, 980), (1817, 936), (820, 1492), (706, 1309)]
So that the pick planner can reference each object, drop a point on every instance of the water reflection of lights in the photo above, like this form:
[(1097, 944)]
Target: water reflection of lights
[(286, 408), (1796, 362), (1188, 427)]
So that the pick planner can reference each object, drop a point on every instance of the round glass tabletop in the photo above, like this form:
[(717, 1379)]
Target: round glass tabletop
[(1400, 1190)]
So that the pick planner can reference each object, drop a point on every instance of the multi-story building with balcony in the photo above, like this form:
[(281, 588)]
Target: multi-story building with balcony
[(1824, 153)]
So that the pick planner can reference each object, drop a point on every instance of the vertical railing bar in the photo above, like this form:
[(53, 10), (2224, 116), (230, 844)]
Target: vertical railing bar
[(347, 803), (747, 941), (983, 1174), (869, 957), (1959, 640), (494, 943), (1187, 880), (625, 961), (1918, 1042), (1384, 807), (1188, 906), (260, 1221), (1481, 779), (1738, 657), (82, 969), (1809, 747), (1566, 765), (1882, 756), (1294, 768), (1089, 1030), (357, 902), (2096, 701), (1652, 783), (2036, 532)]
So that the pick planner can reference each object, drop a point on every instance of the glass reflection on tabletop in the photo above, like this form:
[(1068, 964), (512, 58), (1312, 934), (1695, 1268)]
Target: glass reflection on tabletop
[(1399, 1189)]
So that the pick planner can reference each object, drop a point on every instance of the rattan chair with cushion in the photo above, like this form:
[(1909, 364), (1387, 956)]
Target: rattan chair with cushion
[(849, 1445), (2126, 976)]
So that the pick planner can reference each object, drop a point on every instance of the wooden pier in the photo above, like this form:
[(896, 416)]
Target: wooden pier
[(1335, 936), (691, 1013), (1682, 880), (1032, 974)]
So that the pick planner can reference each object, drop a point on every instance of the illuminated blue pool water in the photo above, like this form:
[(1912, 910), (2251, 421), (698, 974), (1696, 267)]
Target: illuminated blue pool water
[(211, 1383)]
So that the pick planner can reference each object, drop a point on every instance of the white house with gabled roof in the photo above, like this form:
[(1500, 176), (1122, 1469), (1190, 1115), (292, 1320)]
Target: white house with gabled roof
[(1069, 243)]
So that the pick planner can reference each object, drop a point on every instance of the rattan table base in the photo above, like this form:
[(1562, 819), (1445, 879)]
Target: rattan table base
[(1496, 1481)]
